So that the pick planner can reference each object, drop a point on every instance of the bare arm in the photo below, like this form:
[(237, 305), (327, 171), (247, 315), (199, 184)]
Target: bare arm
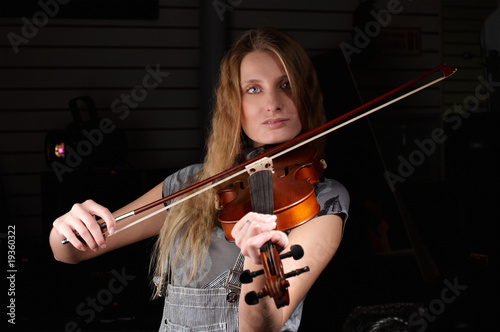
[(319, 238), (81, 219)]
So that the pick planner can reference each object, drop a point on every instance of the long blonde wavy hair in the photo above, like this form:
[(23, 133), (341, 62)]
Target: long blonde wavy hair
[(190, 223)]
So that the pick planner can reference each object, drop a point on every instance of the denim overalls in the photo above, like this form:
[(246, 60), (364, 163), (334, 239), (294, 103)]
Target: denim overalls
[(211, 308), (214, 307)]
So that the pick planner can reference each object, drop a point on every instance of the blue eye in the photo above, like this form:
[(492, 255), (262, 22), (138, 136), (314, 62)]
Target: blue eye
[(253, 90)]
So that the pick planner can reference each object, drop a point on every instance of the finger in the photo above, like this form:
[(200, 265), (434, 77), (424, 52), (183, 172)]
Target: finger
[(242, 223), (103, 213), (252, 250), (257, 241), (264, 218), (259, 224), (96, 231), (251, 229), (258, 227), (69, 234), (253, 245), (280, 239), (84, 228), (249, 218), (85, 225)]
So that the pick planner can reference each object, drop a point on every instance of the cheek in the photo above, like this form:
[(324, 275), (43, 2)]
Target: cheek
[(249, 108), (298, 120), (298, 128), (246, 119)]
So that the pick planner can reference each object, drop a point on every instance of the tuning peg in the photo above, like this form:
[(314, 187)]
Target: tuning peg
[(252, 297), (296, 252), (246, 276), (296, 272)]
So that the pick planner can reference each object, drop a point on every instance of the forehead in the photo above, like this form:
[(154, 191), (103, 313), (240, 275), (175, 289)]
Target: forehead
[(261, 64)]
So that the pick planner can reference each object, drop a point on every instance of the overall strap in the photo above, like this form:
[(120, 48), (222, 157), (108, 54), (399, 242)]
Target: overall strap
[(230, 280)]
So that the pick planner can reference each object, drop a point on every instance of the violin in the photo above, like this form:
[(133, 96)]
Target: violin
[(291, 212), (283, 187)]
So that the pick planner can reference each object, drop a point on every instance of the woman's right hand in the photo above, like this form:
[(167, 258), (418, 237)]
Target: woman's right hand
[(81, 219)]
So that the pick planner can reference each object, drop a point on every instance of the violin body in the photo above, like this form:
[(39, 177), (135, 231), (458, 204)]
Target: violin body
[(293, 192)]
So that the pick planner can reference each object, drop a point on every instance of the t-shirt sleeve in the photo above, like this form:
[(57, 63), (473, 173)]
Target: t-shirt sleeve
[(332, 198), (178, 180)]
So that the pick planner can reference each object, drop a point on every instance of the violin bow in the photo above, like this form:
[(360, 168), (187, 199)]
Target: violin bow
[(285, 147)]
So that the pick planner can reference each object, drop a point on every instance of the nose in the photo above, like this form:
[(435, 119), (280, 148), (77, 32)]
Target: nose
[(274, 101)]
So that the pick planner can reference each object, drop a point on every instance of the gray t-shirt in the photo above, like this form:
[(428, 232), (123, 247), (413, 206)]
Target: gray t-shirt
[(332, 198)]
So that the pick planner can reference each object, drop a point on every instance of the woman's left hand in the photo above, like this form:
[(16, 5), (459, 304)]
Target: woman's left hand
[(255, 229)]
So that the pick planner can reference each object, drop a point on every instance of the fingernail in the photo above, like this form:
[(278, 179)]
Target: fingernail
[(103, 245), (111, 230)]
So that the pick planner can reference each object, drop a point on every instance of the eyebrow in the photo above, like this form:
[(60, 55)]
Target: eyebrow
[(255, 80)]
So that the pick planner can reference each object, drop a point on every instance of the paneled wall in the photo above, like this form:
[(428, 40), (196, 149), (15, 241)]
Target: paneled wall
[(106, 59), (103, 59)]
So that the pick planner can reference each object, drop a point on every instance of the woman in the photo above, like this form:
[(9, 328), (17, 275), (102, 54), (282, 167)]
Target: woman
[(267, 94)]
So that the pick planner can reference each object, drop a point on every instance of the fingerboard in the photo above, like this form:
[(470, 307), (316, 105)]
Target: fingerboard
[(261, 192)]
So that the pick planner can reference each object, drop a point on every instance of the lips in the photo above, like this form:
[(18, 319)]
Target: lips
[(275, 122)]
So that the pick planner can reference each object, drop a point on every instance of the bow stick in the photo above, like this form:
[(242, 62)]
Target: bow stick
[(283, 148)]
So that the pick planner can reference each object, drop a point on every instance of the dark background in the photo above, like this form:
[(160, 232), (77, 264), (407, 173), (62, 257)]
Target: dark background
[(401, 250)]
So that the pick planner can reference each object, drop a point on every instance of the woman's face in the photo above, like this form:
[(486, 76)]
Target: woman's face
[(269, 115)]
